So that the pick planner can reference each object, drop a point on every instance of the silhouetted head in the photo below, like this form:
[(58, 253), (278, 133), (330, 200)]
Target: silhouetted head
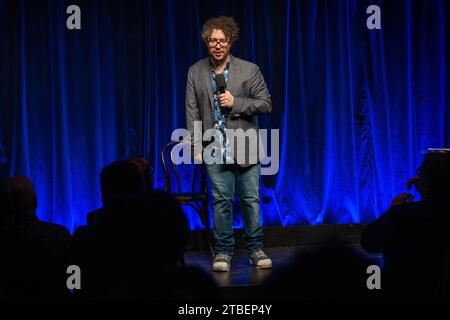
[(435, 172), (120, 178), (23, 196), (145, 169)]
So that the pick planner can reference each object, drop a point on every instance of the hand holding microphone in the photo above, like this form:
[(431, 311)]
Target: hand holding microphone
[(226, 100)]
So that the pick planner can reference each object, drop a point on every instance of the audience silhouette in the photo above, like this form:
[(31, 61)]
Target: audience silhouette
[(136, 251), (118, 178), (414, 236), (145, 169), (133, 247), (5, 229), (5, 207), (35, 252)]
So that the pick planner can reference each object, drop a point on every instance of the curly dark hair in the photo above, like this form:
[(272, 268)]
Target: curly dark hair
[(226, 24)]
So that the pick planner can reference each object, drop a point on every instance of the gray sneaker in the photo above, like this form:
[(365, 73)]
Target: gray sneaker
[(260, 260), (221, 262)]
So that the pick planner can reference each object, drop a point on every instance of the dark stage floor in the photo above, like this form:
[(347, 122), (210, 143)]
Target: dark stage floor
[(242, 279)]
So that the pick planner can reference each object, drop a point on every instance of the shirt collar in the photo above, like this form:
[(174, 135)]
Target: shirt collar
[(227, 65)]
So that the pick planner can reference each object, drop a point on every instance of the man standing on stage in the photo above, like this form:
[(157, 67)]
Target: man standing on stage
[(235, 107)]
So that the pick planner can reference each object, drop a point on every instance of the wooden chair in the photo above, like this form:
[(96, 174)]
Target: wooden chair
[(196, 199)]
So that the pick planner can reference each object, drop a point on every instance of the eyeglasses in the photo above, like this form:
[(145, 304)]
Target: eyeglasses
[(213, 42)]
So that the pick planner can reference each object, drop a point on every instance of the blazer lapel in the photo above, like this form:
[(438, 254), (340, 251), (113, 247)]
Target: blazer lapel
[(231, 76), (207, 79)]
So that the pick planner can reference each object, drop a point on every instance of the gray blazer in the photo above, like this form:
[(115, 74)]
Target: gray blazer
[(246, 84)]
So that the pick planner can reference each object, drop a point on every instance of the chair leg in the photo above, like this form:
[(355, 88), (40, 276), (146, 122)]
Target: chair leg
[(202, 211)]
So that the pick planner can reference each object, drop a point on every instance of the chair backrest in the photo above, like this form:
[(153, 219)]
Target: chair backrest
[(171, 170)]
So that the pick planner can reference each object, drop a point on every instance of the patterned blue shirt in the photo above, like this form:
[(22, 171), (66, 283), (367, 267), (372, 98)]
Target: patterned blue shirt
[(220, 120)]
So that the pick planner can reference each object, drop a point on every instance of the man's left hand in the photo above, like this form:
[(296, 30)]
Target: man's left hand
[(226, 100)]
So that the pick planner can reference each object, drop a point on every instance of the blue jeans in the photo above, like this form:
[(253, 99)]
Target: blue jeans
[(224, 180)]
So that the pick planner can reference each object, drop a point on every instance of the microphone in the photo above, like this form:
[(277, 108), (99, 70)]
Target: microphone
[(221, 83)]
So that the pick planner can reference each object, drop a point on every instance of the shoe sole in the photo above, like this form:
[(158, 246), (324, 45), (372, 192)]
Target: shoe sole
[(221, 270), (221, 267), (269, 266)]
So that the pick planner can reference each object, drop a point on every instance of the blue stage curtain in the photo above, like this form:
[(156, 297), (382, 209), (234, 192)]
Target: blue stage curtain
[(355, 107)]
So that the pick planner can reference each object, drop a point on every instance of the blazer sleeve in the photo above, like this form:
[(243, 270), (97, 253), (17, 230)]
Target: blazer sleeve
[(192, 106), (259, 100)]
